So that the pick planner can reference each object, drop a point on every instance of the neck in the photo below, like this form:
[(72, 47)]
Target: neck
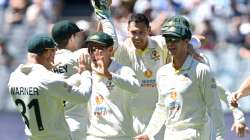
[(178, 61), (109, 61), (144, 47)]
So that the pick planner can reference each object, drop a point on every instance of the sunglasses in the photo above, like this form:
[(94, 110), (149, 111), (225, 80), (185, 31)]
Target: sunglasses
[(93, 49), (172, 39)]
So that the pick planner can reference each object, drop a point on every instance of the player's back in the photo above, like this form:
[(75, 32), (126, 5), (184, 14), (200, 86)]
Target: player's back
[(32, 88)]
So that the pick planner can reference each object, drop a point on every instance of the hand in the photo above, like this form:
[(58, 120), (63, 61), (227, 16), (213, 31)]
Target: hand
[(142, 137), (84, 63), (101, 67), (240, 129), (102, 8), (235, 98)]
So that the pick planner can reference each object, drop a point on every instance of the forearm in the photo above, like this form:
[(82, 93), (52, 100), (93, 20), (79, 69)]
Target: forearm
[(244, 89), (225, 96), (109, 28), (157, 121)]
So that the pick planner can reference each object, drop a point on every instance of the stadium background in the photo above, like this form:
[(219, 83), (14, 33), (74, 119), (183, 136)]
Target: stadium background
[(225, 24)]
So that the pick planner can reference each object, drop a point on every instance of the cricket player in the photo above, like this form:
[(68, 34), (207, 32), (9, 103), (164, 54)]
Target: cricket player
[(145, 54), (68, 37), (39, 93), (113, 84), (187, 94)]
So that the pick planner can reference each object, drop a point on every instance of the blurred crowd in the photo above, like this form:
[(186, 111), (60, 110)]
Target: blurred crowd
[(224, 23)]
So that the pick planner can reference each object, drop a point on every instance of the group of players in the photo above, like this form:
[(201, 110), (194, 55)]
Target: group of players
[(110, 92)]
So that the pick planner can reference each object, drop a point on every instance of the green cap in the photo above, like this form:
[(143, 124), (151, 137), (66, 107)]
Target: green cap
[(177, 31), (177, 26), (39, 43), (100, 38), (180, 20), (63, 30)]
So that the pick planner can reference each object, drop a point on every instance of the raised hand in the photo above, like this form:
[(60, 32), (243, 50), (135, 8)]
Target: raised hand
[(101, 66), (102, 8), (84, 63)]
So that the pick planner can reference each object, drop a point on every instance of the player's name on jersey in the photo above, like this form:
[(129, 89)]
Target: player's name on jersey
[(61, 69), (24, 91)]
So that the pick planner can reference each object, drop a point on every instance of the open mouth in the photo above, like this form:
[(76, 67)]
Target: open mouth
[(172, 49)]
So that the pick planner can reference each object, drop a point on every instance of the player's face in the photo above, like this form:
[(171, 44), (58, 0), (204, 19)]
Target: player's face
[(139, 33), (176, 46), (48, 57), (98, 51)]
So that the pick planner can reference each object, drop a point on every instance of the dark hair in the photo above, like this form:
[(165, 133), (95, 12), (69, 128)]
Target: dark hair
[(62, 44), (138, 18)]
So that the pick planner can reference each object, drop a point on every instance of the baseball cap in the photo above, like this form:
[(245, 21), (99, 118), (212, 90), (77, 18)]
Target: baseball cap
[(39, 43), (101, 38), (63, 30)]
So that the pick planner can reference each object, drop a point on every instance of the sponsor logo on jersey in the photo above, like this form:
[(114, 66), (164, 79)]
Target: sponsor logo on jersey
[(101, 108), (172, 103), (148, 83), (99, 99)]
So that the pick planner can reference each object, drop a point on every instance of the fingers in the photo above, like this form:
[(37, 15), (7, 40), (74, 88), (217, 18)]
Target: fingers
[(141, 137), (234, 100), (240, 129)]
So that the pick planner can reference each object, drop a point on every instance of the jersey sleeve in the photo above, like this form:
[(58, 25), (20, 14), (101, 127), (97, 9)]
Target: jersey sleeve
[(121, 56), (74, 94), (126, 80), (225, 96), (210, 95), (109, 28)]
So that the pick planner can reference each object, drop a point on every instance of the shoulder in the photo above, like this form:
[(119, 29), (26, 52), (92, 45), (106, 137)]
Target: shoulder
[(117, 67), (160, 40), (164, 69), (201, 69)]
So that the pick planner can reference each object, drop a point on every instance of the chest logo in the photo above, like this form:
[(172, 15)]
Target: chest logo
[(155, 55)]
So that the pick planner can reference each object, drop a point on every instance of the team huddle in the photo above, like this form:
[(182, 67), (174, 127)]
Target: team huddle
[(145, 88)]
